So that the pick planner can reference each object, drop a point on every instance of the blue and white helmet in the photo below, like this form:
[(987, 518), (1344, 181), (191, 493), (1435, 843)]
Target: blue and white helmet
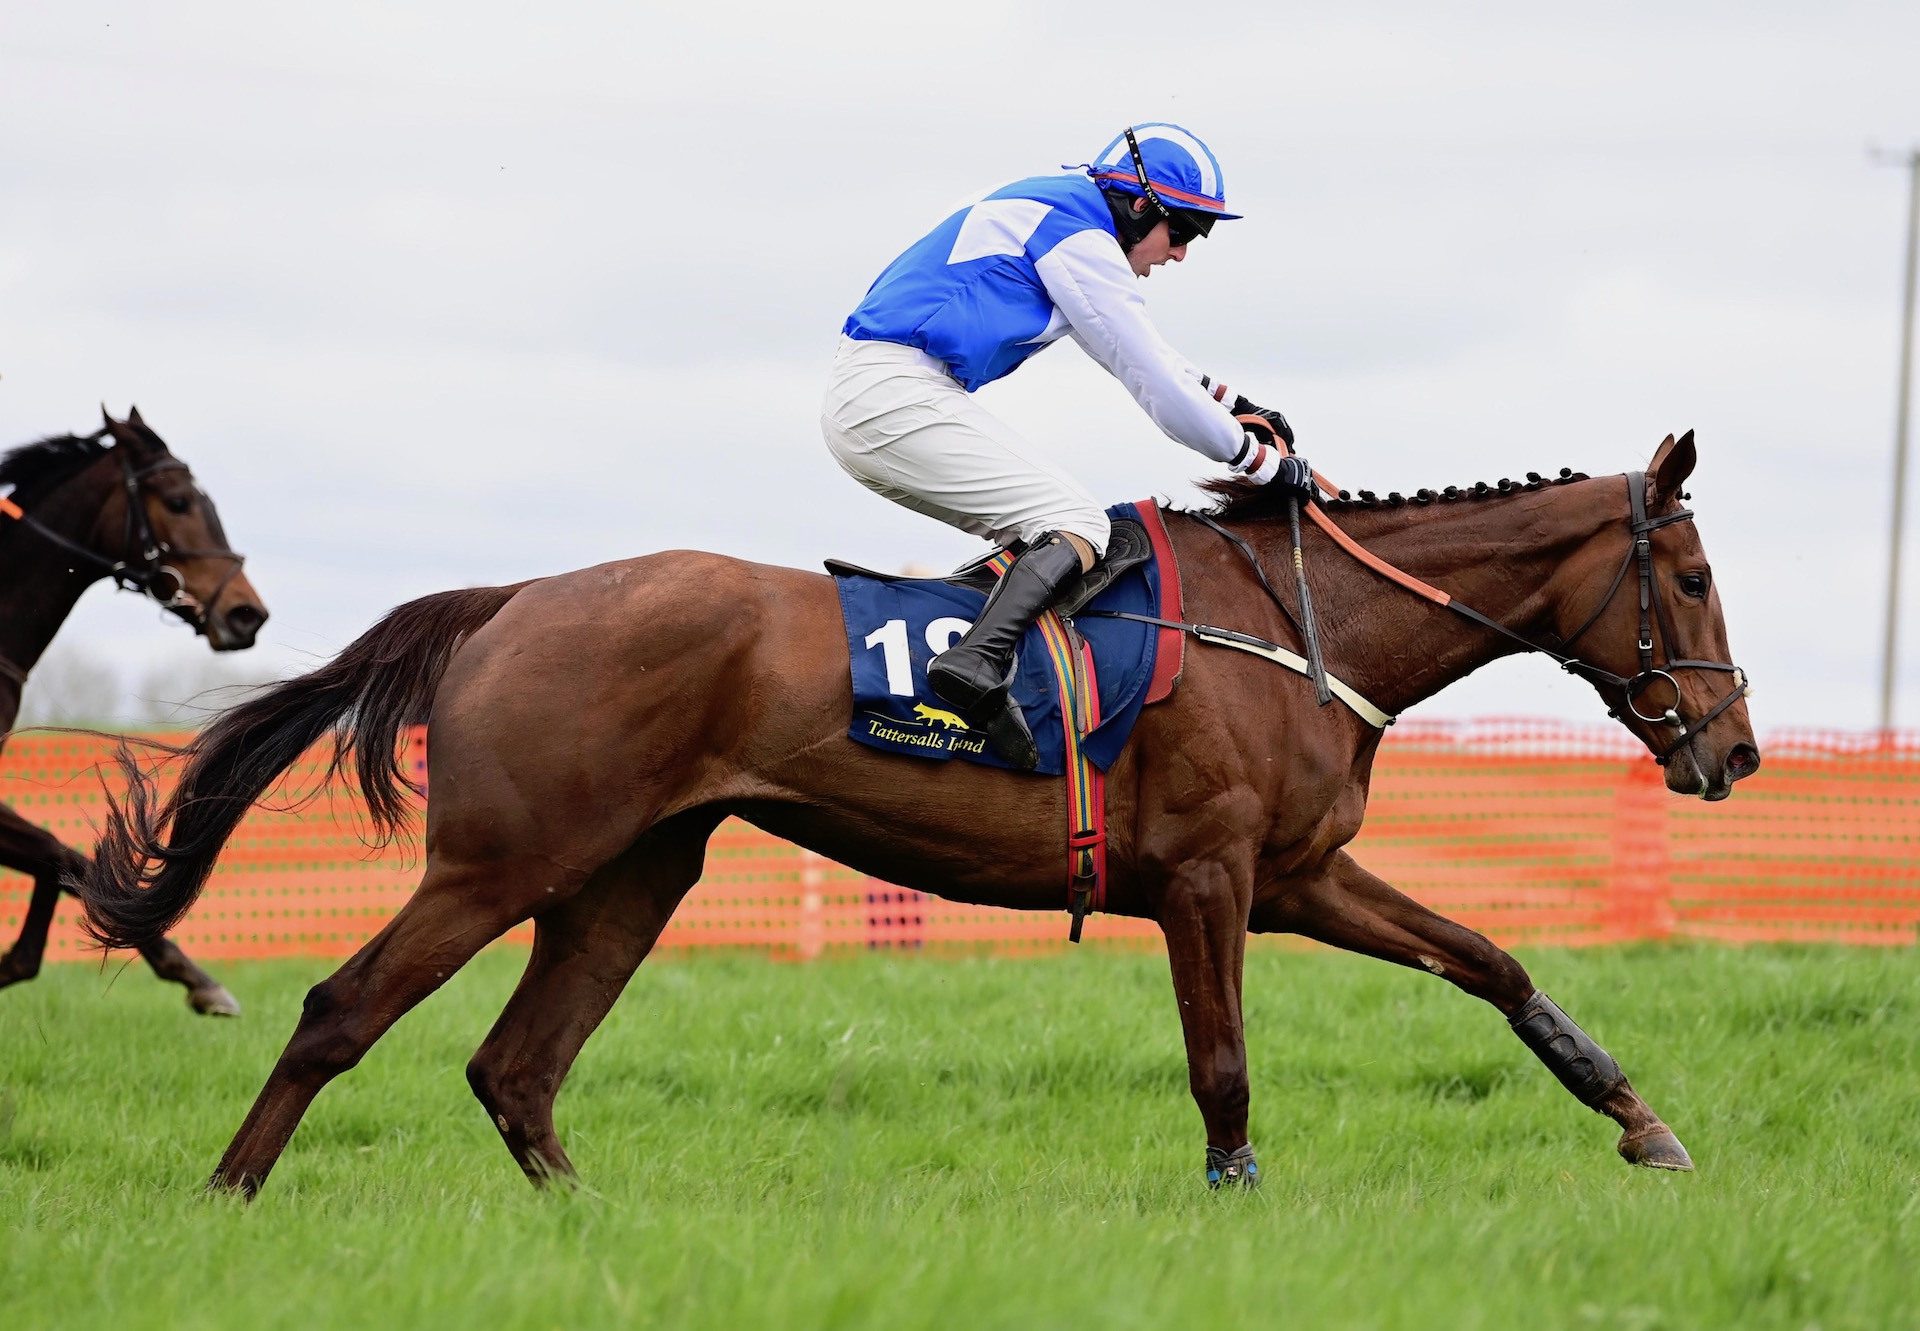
[(1183, 170)]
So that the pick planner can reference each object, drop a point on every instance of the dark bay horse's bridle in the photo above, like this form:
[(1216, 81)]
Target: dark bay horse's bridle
[(144, 568)]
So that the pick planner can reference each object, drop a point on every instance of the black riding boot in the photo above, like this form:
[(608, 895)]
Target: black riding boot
[(975, 675)]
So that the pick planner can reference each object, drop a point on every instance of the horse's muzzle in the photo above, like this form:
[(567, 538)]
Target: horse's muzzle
[(1710, 776), (235, 629)]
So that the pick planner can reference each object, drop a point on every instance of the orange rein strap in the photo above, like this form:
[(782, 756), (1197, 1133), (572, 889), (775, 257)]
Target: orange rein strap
[(1367, 557), (1346, 542), (9, 509)]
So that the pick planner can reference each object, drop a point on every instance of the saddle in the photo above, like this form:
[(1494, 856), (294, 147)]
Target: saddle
[(1128, 547), (1081, 684)]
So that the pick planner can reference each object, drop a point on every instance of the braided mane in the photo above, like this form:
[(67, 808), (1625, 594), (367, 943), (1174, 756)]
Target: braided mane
[(1244, 499)]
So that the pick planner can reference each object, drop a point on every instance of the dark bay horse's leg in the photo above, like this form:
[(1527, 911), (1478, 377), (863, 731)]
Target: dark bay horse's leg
[(1350, 908), (39, 854), (1204, 917), (22, 960), (458, 909), (205, 995), (36, 851), (584, 952)]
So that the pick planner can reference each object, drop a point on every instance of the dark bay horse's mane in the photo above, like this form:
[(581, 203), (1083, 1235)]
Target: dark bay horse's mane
[(1244, 500), (47, 462)]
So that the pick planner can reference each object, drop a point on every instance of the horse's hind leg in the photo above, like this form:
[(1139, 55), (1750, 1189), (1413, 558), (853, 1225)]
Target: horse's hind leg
[(584, 952), (1350, 908), (458, 910)]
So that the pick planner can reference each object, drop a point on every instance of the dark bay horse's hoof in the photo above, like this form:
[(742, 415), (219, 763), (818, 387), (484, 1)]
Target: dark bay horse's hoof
[(1235, 1169), (213, 1001), (14, 970), (1655, 1148)]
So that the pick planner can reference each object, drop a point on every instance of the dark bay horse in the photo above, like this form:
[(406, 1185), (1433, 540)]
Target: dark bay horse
[(590, 730), (114, 504)]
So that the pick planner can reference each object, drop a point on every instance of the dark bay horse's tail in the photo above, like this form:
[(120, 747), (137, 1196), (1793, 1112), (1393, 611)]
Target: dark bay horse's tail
[(154, 857)]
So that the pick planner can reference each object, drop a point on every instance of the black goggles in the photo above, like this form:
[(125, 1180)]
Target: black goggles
[(1184, 225)]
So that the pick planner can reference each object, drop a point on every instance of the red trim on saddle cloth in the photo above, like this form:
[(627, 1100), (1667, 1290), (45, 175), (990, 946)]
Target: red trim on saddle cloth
[(1173, 643)]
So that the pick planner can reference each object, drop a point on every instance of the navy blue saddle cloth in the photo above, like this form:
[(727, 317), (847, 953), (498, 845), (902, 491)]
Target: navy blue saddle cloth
[(895, 626)]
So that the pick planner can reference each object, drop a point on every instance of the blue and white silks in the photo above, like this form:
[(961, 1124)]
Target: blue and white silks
[(1037, 260)]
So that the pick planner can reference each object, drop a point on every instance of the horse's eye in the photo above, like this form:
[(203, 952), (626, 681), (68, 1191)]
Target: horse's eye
[(178, 503), (1694, 585)]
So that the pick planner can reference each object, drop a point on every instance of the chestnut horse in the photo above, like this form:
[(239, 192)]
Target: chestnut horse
[(113, 504), (590, 730)]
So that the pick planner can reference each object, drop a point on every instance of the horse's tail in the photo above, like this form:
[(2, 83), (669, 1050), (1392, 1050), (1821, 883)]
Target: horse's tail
[(154, 857)]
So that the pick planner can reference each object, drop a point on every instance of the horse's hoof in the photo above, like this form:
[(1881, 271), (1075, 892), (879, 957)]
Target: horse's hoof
[(244, 1187), (14, 971), (1655, 1148), (213, 1001), (1235, 1169)]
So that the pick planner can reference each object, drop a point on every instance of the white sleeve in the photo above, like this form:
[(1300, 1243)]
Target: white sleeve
[(1087, 277)]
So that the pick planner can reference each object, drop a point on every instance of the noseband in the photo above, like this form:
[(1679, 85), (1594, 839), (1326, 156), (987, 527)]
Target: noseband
[(145, 568)]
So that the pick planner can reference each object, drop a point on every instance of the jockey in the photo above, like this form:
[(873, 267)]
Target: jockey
[(991, 285)]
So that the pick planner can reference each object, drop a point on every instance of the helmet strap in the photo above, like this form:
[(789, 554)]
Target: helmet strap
[(1140, 171)]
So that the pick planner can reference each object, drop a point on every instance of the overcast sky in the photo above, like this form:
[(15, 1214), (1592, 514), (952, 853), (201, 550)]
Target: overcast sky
[(442, 294)]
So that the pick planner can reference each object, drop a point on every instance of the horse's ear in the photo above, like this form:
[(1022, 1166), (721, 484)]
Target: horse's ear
[(106, 417), (1672, 464), (133, 417)]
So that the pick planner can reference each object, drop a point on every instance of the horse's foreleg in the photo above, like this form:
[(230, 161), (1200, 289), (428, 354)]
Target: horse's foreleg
[(1204, 916), (458, 910), (1349, 908), (35, 851), (22, 960), (205, 995), (584, 952), (42, 856)]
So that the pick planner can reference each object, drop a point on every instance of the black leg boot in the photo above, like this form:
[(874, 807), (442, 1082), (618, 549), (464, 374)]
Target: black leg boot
[(975, 675)]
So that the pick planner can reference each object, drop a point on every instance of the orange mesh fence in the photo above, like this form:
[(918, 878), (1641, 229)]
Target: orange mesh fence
[(1532, 832)]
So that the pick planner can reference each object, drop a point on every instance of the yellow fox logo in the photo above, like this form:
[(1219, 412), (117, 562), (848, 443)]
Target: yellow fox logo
[(946, 720)]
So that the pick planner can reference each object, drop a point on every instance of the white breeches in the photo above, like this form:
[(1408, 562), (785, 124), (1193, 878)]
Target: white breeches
[(896, 421)]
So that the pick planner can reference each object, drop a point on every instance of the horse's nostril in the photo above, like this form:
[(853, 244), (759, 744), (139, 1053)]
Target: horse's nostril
[(245, 620), (1743, 760)]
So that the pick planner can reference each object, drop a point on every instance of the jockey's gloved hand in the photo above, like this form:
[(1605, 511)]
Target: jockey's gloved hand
[(1297, 475), (1275, 421), (1261, 461)]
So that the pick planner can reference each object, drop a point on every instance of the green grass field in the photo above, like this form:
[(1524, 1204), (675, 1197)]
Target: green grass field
[(904, 1142)]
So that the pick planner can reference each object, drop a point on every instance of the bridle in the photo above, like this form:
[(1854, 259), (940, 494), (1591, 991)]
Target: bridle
[(1632, 687), (145, 569), (1640, 553)]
